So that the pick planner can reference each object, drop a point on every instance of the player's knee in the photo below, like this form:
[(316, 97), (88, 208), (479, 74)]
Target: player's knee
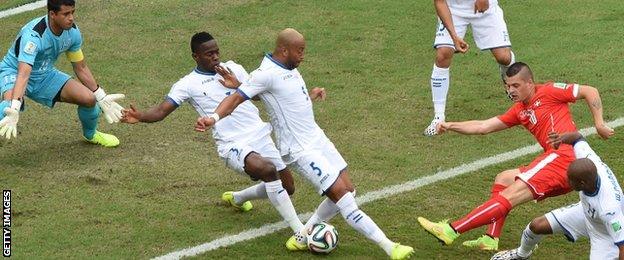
[(540, 225), (267, 171), (89, 101), (444, 57), (503, 58), (505, 178)]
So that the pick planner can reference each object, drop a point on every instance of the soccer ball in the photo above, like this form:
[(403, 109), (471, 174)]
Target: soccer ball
[(322, 238)]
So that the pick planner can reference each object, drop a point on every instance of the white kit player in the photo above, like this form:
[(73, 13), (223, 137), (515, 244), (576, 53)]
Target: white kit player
[(489, 32), (598, 215), (302, 143), (243, 139)]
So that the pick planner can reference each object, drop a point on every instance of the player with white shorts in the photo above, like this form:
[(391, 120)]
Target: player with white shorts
[(301, 141), (597, 216), (243, 140), (489, 31)]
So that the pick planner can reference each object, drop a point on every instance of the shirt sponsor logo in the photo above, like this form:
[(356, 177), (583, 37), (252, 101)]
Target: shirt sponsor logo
[(561, 85), (30, 48)]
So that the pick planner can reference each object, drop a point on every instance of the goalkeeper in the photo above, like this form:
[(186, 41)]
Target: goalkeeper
[(28, 69)]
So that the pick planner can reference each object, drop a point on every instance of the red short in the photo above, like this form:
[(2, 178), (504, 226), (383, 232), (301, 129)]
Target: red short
[(547, 175)]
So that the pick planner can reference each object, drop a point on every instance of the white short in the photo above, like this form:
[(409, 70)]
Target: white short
[(234, 153), (489, 30), (571, 220), (320, 164)]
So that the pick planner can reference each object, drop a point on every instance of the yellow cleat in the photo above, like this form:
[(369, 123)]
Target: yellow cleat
[(297, 242), (441, 230), (228, 197), (401, 252), (484, 242), (103, 139)]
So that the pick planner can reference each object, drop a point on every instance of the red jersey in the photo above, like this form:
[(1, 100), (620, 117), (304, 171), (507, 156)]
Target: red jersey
[(547, 111)]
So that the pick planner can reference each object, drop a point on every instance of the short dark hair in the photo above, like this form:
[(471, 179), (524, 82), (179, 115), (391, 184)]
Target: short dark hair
[(515, 68), (55, 5), (200, 38)]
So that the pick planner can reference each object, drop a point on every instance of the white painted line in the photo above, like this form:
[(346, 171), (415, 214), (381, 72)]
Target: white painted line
[(23, 8), (374, 195)]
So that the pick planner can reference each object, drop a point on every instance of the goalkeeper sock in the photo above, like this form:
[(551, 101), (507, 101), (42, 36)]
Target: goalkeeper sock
[(361, 222), (440, 83), (89, 119), (281, 201), (254, 192), (4, 104)]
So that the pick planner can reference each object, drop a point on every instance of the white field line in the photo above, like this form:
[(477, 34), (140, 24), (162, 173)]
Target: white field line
[(374, 195), (23, 8)]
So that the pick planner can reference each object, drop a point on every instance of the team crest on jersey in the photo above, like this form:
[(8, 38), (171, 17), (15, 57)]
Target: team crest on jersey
[(30, 48)]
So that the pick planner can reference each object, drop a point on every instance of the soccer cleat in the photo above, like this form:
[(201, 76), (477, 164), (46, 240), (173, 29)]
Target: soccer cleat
[(401, 252), (484, 242), (103, 139), (441, 230), (297, 242), (432, 129), (228, 197), (510, 255)]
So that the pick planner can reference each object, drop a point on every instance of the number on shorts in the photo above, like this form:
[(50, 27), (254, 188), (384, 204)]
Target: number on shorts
[(314, 168)]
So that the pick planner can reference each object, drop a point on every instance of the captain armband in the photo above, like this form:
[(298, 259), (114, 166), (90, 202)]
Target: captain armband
[(75, 56)]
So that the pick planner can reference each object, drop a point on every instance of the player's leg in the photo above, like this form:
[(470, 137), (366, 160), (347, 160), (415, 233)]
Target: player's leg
[(74, 92), (258, 191), (440, 75), (490, 33), (489, 241)]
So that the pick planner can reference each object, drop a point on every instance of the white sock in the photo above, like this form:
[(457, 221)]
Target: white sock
[(324, 212), (528, 242), (362, 222), (440, 82), (281, 201), (503, 68), (254, 192)]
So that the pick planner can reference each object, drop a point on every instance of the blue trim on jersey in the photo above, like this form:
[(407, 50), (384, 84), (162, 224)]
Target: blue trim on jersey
[(270, 57), (597, 188), (582, 138), (566, 233), (243, 94), (173, 102), (619, 243), (208, 73)]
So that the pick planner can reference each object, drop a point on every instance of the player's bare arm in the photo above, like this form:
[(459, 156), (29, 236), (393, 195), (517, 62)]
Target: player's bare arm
[(592, 97), (555, 139), (225, 108), (481, 6), (23, 75), (473, 127), (84, 75), (154, 114), (444, 13), (318, 94)]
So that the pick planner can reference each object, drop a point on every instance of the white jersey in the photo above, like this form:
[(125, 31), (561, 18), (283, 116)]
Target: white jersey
[(204, 92), (603, 209), (465, 8), (288, 104)]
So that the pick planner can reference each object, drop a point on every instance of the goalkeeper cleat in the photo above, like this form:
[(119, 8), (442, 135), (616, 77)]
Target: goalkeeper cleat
[(297, 242), (432, 129), (103, 139), (484, 242), (510, 255), (441, 230), (401, 252), (228, 197)]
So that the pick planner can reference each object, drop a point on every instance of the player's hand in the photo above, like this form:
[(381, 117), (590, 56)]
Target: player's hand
[(554, 139), (604, 131), (460, 45), (8, 125), (481, 6), (204, 123), (442, 127), (109, 106), (130, 116), (317, 94), (229, 79)]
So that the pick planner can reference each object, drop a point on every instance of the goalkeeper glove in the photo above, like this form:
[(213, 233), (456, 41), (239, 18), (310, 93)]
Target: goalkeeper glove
[(8, 125), (109, 106)]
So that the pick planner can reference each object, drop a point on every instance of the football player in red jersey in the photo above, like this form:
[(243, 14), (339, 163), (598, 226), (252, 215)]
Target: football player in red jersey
[(540, 108)]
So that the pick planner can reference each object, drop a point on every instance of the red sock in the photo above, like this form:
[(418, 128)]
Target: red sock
[(486, 213), (495, 229)]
